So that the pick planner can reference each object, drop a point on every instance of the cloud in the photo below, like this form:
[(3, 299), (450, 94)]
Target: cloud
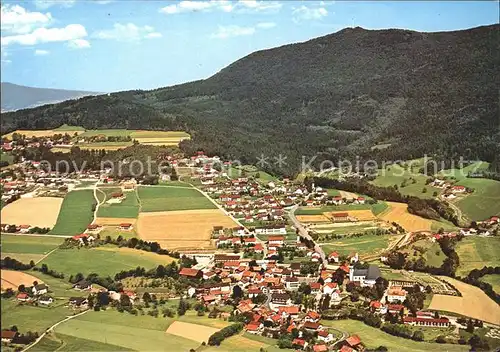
[(39, 52), (4, 60), (224, 32), (45, 4), (79, 44), (17, 20), (127, 32), (242, 6), (47, 35), (305, 13), (266, 25)]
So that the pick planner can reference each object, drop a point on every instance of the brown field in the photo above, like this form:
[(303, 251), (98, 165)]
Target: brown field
[(474, 302), (361, 215), (190, 331), (312, 218), (183, 228), (348, 195), (40, 133), (41, 212), (398, 213), (114, 221), (23, 257), (12, 279)]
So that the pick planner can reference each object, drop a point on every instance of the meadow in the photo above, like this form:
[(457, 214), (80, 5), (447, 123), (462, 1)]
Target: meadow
[(432, 252), (105, 260), (26, 248), (76, 213), (493, 280), (483, 202), (363, 245), (127, 208), (333, 208), (162, 198), (477, 252), (374, 338)]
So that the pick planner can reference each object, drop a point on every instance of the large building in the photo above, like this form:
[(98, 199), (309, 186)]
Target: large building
[(365, 277)]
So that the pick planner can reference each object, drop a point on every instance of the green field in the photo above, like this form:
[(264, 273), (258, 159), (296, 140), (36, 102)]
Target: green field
[(346, 230), (328, 208), (65, 127), (477, 252), (6, 156), (374, 338), (461, 173), (484, 202), (433, 254), (250, 170), (160, 198), (76, 213), (63, 342), (29, 244), (107, 260), (364, 245), (493, 280), (128, 208)]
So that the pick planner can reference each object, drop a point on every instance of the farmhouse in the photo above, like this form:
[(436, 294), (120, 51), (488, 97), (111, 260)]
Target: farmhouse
[(8, 335), (78, 302), (191, 273), (125, 226), (23, 297), (333, 257), (45, 300), (39, 289), (83, 285)]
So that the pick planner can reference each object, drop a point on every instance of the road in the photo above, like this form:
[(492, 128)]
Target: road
[(52, 327), (304, 233)]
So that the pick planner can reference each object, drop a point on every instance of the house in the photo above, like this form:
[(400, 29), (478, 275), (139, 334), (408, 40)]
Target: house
[(271, 230), (292, 283), (8, 336), (78, 302), (426, 320), (333, 257), (125, 226), (354, 342), (320, 348), (329, 288), (23, 297), (254, 327), (83, 285), (299, 343), (365, 277), (39, 289), (309, 325), (395, 308), (280, 299), (340, 217), (24, 228), (94, 228), (312, 316), (458, 189), (396, 294), (325, 336), (289, 311), (45, 300), (191, 273)]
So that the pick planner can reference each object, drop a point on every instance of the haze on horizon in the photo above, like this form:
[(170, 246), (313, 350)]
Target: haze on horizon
[(117, 45)]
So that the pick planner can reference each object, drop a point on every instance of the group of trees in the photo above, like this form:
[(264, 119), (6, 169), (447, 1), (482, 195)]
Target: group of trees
[(216, 338), (141, 245), (45, 269), (474, 278), (13, 264)]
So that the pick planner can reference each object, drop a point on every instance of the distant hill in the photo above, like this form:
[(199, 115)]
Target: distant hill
[(335, 96), (15, 97)]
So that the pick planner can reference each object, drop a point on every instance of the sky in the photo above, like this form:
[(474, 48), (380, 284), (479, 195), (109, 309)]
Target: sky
[(112, 45)]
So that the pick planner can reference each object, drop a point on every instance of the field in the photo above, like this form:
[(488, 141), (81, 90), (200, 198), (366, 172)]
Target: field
[(360, 215), (364, 245), (181, 229), (102, 260), (474, 302), (71, 130), (26, 248), (190, 331), (41, 212), (373, 338), (76, 213), (432, 254), (159, 138), (493, 280), (313, 219), (331, 208), (127, 208), (62, 342), (476, 252), (162, 198), (12, 279), (398, 212), (484, 202), (396, 175)]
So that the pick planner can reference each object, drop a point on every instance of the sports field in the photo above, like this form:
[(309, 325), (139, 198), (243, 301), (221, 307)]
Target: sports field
[(373, 338), (127, 208), (12, 279), (41, 211), (477, 252), (364, 245), (474, 302), (398, 212), (182, 229), (27, 248), (483, 202), (102, 260), (76, 213), (162, 198)]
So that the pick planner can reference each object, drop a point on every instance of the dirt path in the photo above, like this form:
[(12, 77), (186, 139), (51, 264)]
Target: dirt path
[(46, 255), (96, 189)]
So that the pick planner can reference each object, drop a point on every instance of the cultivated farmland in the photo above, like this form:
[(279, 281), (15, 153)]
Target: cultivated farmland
[(474, 302), (190, 331), (477, 252), (127, 208), (41, 212), (27, 248), (398, 213), (71, 130), (162, 198), (76, 213), (12, 279), (181, 229)]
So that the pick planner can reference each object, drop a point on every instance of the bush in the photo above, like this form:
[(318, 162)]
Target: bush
[(418, 336), (219, 336)]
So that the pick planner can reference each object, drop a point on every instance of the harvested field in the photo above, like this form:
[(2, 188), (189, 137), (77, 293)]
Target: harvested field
[(474, 302), (181, 229), (361, 215), (114, 221), (12, 279), (41, 212), (42, 133), (348, 195), (190, 331), (398, 212), (312, 218)]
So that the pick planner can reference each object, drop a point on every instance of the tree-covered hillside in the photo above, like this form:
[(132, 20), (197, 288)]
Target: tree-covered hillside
[(337, 95)]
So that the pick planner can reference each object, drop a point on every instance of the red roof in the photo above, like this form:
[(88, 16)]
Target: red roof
[(429, 320), (8, 334), (315, 285), (340, 215), (333, 255), (311, 325), (276, 238), (289, 310), (82, 235), (299, 342), (320, 348), (93, 226), (346, 349), (314, 315), (323, 333), (125, 224), (252, 326), (22, 295), (189, 272), (353, 340), (375, 304)]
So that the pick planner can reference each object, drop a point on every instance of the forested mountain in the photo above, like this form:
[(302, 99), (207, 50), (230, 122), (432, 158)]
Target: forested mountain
[(15, 97), (337, 95)]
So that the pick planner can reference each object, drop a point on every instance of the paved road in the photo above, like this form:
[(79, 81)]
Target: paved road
[(304, 233)]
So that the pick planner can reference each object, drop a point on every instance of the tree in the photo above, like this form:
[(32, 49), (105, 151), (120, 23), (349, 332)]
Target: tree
[(21, 288), (418, 336), (146, 297), (182, 308), (237, 293)]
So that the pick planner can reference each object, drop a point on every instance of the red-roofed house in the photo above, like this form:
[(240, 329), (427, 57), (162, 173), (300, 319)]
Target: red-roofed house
[(22, 297), (253, 327), (125, 226), (300, 343), (320, 348), (191, 273), (333, 257)]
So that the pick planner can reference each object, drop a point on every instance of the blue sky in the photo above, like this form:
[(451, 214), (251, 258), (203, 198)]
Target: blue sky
[(106, 45)]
